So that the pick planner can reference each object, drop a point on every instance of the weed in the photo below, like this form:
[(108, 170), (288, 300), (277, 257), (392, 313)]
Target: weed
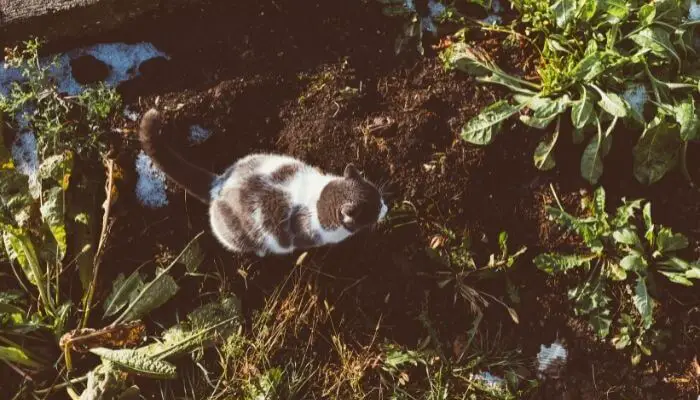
[(628, 248), (604, 64), (454, 252), (60, 123)]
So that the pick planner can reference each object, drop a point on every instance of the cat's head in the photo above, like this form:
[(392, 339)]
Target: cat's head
[(352, 201)]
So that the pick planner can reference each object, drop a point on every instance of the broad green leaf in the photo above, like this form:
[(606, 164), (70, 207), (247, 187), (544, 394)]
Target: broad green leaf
[(612, 103), (677, 277), (123, 290), (621, 342), (667, 241), (647, 13), (627, 236), (592, 158), (57, 167), (634, 262), (483, 128), (656, 151), (52, 213), (616, 9), (545, 110), (693, 273), (158, 291), (544, 157), (206, 325), (552, 263), (658, 41), (625, 212), (152, 295), (15, 355), (564, 11), (471, 60), (670, 11), (137, 363), (675, 264), (688, 119), (582, 110), (19, 248), (588, 68), (587, 9), (617, 272), (643, 302)]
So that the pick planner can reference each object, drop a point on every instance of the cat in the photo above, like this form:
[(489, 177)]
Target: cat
[(270, 203)]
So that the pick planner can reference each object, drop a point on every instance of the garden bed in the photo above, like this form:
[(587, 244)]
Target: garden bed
[(312, 80)]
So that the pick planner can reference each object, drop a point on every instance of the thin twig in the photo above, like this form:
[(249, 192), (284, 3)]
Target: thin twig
[(97, 260)]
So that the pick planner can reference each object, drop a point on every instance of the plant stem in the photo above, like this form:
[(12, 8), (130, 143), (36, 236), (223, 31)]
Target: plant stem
[(62, 385), (97, 260)]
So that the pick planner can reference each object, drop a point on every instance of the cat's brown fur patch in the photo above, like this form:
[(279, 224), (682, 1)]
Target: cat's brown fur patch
[(284, 173), (300, 225)]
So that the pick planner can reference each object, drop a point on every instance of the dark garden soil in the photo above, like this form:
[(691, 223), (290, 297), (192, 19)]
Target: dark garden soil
[(310, 79)]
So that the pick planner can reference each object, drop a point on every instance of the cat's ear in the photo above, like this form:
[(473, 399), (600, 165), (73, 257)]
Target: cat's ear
[(349, 212), (351, 172)]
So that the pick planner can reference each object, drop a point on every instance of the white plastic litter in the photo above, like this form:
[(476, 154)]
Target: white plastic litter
[(551, 360), (198, 134), (150, 184)]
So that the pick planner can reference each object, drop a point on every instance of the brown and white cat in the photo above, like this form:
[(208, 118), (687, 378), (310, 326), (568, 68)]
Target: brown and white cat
[(269, 203)]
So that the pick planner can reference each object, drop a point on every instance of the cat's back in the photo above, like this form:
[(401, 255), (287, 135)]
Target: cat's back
[(262, 199)]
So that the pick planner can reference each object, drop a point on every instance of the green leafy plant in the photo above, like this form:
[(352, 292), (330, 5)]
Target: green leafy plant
[(603, 64), (463, 272), (625, 248), (34, 215), (61, 123)]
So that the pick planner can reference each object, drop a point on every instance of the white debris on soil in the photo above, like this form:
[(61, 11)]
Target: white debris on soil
[(150, 184), (493, 18), (7, 76), (489, 380), (436, 9), (636, 97), (130, 114), (25, 154), (198, 134), (551, 360), (122, 59), (694, 10)]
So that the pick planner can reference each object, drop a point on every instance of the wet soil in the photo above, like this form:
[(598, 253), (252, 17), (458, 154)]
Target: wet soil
[(308, 79)]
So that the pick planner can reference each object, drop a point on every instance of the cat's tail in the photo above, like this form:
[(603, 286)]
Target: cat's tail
[(193, 179)]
